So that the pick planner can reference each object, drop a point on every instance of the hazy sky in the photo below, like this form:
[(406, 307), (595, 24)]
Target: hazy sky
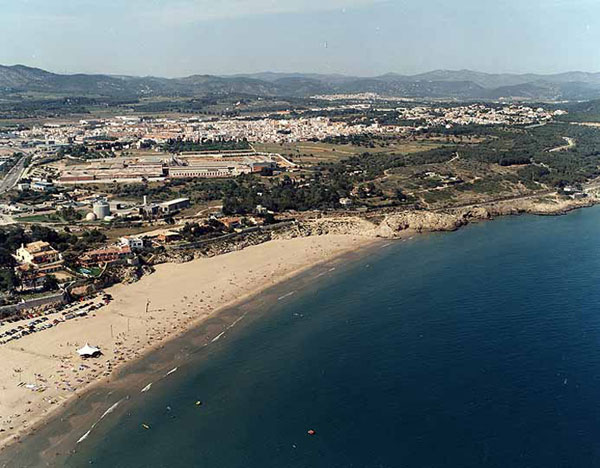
[(363, 37)]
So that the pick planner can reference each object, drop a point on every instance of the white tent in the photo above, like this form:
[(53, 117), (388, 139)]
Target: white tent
[(89, 351)]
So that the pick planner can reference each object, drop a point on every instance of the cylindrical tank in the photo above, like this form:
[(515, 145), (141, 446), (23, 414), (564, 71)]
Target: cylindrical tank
[(101, 209)]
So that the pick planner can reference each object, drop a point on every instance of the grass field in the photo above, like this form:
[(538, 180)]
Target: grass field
[(307, 153), (35, 219)]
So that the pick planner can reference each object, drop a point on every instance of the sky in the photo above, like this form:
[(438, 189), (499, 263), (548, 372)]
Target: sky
[(354, 37)]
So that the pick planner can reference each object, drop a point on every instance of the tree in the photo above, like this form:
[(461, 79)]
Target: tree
[(8, 279), (400, 196), (50, 283)]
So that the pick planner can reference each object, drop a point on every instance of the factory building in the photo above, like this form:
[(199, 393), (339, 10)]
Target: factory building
[(175, 205)]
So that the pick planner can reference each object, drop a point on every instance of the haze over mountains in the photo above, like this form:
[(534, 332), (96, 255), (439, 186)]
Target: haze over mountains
[(19, 80)]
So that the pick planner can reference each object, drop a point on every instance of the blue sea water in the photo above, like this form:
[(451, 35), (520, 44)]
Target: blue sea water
[(478, 348)]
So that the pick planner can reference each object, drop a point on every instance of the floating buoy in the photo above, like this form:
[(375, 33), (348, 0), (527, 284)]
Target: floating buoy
[(145, 426), (198, 403), (311, 432)]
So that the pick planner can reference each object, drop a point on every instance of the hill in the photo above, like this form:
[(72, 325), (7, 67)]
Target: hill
[(19, 80)]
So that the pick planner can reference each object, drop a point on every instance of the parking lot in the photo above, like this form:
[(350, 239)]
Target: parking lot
[(14, 328)]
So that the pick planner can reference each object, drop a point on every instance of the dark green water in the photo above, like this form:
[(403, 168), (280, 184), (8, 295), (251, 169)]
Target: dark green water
[(479, 348)]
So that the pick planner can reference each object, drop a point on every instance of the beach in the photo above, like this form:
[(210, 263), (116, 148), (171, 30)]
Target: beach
[(469, 342), (44, 372)]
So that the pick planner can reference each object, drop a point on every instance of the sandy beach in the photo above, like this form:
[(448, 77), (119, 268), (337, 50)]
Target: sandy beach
[(43, 372)]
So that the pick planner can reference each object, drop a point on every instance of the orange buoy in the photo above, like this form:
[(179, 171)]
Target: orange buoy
[(311, 432)]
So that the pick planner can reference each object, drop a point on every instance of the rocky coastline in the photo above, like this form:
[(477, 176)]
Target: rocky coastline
[(389, 225)]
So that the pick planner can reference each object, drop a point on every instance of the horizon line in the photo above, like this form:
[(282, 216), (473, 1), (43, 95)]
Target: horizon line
[(341, 74)]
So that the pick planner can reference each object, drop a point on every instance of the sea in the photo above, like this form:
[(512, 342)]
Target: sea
[(476, 348)]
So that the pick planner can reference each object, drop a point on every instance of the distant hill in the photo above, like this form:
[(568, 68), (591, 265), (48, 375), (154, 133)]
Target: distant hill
[(18, 80)]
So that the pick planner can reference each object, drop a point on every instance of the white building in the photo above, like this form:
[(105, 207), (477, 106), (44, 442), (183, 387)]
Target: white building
[(42, 186), (134, 243)]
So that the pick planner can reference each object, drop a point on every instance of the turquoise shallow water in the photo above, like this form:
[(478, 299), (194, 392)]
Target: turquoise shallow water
[(468, 349)]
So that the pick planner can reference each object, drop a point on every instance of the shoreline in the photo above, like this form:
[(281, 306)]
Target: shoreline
[(333, 243), (398, 224), (324, 249)]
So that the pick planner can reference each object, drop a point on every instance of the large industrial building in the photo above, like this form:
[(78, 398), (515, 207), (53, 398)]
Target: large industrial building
[(175, 205), (157, 168), (170, 207)]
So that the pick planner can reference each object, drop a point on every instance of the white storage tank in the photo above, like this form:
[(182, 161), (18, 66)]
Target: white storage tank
[(101, 209)]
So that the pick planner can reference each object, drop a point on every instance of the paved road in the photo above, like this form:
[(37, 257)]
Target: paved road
[(13, 176)]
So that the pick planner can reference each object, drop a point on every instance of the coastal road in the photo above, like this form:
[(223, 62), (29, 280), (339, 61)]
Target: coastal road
[(588, 187), (496, 200), (13, 176)]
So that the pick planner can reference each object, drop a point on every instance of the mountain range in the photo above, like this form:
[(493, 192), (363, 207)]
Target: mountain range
[(21, 80)]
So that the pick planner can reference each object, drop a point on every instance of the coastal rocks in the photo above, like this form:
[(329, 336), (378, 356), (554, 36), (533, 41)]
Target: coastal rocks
[(557, 205), (418, 221), (233, 244), (212, 248), (178, 256), (371, 225), (390, 226), (128, 275), (84, 290), (182, 257), (351, 225), (549, 205), (479, 213)]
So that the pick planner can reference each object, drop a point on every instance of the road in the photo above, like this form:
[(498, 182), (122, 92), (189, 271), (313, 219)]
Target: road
[(13, 176), (570, 144), (592, 185), (542, 193)]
